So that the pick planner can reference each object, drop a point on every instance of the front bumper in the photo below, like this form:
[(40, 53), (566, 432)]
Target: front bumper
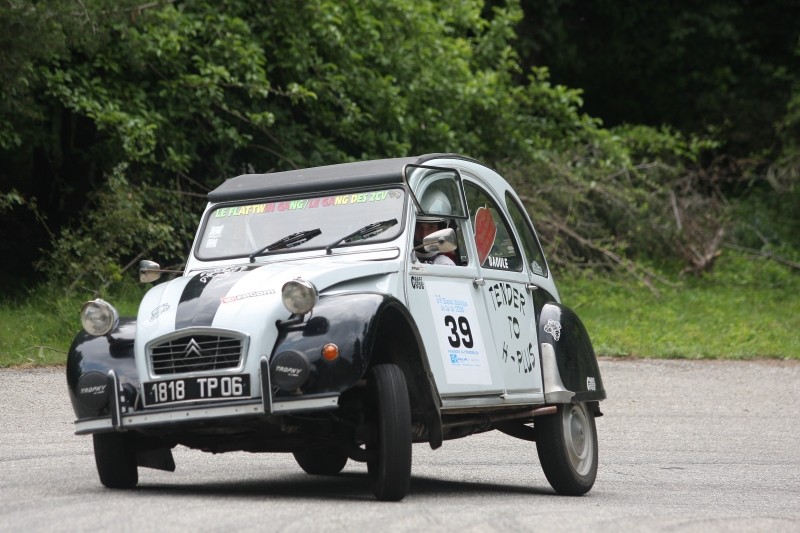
[(122, 418)]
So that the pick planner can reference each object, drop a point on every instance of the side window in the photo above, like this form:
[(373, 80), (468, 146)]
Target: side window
[(529, 241), (495, 242)]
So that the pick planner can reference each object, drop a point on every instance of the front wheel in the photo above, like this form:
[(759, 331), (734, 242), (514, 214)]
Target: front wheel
[(389, 412), (115, 457), (567, 447)]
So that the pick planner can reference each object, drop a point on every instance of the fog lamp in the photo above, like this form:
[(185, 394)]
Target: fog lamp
[(99, 317), (299, 296)]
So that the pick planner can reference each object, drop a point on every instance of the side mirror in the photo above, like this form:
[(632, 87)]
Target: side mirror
[(149, 271), (441, 241)]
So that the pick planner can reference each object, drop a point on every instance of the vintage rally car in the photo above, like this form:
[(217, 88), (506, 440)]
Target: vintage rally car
[(345, 312)]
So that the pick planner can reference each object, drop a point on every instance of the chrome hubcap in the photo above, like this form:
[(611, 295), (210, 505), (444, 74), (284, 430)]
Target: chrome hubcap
[(578, 438)]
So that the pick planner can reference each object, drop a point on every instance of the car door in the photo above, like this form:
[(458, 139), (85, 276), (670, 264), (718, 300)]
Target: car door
[(448, 307), (504, 284)]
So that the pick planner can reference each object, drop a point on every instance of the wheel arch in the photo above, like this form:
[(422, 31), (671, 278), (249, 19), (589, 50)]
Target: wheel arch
[(370, 328), (397, 341)]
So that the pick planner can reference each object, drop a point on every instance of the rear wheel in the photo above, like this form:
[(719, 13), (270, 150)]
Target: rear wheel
[(389, 408), (567, 446), (115, 457), (327, 461)]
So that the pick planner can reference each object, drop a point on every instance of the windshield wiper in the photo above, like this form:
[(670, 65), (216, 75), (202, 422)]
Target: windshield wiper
[(370, 230), (287, 242)]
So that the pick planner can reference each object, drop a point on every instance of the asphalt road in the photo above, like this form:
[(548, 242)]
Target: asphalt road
[(684, 446)]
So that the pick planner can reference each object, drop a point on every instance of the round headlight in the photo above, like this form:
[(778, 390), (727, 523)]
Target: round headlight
[(98, 317), (299, 296)]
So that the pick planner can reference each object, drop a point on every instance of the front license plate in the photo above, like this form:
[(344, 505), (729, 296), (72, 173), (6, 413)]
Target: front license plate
[(194, 389)]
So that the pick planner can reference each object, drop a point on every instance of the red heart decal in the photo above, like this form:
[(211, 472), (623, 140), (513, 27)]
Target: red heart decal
[(485, 232)]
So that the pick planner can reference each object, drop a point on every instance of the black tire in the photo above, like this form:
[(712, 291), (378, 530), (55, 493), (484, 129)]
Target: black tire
[(321, 461), (390, 414), (567, 446), (116, 460)]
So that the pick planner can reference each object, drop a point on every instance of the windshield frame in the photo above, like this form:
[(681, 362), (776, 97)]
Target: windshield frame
[(317, 244)]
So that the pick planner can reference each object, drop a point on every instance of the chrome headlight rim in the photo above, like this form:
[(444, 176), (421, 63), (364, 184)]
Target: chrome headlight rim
[(299, 296), (98, 317)]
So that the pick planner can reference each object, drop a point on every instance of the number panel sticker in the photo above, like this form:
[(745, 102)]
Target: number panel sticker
[(458, 333)]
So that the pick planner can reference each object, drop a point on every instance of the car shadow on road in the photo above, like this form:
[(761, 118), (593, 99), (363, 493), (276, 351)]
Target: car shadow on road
[(345, 486)]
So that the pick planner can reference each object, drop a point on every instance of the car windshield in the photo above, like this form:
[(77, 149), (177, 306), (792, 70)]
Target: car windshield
[(238, 230)]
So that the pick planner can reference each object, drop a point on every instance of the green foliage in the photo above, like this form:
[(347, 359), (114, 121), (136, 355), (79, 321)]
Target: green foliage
[(170, 89), (29, 33), (34, 34), (614, 200), (191, 88), (745, 309), (784, 174), (188, 94), (117, 227), (721, 65), (10, 199)]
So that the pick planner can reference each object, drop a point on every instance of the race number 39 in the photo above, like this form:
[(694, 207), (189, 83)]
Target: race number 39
[(460, 332)]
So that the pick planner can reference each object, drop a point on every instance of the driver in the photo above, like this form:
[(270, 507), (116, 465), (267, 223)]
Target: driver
[(435, 202)]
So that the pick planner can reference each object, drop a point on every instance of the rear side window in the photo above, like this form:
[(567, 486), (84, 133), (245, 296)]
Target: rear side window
[(494, 240), (530, 243)]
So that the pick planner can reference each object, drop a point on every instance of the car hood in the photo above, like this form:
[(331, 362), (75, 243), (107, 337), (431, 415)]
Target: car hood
[(240, 297)]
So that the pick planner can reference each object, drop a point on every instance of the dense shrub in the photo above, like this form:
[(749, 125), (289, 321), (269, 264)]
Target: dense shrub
[(132, 112)]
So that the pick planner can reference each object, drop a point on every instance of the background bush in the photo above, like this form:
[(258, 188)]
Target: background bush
[(117, 117)]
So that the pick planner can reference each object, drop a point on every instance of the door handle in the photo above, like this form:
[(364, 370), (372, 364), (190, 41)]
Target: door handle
[(530, 287), (478, 282)]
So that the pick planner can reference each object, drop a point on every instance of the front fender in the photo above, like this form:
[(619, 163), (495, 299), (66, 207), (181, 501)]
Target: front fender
[(569, 364), (88, 361), (349, 320), (370, 329)]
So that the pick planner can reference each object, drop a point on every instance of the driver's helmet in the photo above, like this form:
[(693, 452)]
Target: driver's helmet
[(438, 208)]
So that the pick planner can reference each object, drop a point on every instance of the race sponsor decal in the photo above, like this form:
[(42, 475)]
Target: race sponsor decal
[(590, 384), (92, 390), (553, 328), (515, 347), (417, 282), (458, 333), (203, 295), (537, 269), (237, 297), (158, 311), (213, 236), (307, 203), (498, 262), (220, 273)]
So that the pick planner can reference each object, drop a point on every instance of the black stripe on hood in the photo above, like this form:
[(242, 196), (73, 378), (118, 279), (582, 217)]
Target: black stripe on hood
[(203, 294)]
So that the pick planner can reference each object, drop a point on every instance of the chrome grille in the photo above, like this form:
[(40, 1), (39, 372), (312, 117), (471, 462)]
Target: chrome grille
[(195, 353)]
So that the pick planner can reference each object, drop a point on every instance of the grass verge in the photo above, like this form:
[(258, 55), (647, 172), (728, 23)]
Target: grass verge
[(747, 308), (37, 329)]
